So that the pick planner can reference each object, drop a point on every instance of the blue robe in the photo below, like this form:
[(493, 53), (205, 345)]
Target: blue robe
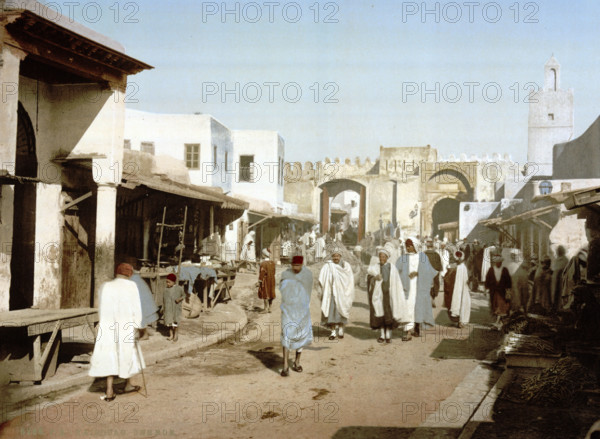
[(296, 324), (424, 281), (149, 308)]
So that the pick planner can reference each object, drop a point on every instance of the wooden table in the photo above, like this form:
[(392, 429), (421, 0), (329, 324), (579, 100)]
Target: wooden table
[(225, 281), (30, 326)]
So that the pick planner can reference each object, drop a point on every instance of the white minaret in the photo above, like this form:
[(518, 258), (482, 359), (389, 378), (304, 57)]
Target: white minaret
[(550, 119)]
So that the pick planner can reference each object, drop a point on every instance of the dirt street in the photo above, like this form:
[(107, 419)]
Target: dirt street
[(350, 388)]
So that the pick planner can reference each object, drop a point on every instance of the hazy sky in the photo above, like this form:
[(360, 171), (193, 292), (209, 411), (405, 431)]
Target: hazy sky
[(339, 79)]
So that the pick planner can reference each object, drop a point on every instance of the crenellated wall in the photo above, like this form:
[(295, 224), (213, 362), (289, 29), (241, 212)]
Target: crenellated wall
[(421, 175)]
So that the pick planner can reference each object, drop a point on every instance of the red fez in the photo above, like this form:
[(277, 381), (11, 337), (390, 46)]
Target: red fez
[(124, 270), (172, 277), (297, 260)]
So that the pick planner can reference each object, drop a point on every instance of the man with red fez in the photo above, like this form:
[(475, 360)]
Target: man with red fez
[(460, 307), (172, 298), (120, 313), (296, 325), (337, 284)]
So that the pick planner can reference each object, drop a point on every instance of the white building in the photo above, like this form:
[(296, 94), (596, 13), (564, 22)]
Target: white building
[(200, 140), (247, 163), (61, 151), (259, 158), (550, 119)]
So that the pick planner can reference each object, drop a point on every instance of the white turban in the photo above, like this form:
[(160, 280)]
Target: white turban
[(383, 250)]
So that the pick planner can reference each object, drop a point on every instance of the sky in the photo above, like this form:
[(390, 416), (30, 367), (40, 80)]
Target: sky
[(340, 79)]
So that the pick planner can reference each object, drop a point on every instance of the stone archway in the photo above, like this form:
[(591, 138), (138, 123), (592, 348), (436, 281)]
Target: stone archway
[(24, 215), (452, 176), (445, 210), (335, 187)]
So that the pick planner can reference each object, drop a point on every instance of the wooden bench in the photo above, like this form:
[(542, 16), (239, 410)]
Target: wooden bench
[(40, 328)]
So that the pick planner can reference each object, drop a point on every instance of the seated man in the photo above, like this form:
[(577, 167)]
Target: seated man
[(206, 278)]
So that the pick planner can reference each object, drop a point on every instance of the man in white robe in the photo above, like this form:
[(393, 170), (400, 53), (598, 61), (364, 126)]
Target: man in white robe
[(249, 247), (387, 303), (487, 261), (417, 276), (320, 248), (116, 352), (461, 297), (337, 284)]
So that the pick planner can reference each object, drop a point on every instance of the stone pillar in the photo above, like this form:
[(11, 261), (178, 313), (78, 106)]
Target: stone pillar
[(104, 243), (325, 210), (10, 59), (49, 246), (362, 211)]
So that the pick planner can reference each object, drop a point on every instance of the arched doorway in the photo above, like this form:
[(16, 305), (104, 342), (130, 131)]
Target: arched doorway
[(452, 176), (23, 243), (330, 190), (444, 211)]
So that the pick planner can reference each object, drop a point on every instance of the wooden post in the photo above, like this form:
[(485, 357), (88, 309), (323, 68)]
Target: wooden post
[(181, 242), (161, 237), (212, 220)]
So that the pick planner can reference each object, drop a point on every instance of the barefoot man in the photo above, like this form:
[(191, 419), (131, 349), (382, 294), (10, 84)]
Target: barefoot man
[(296, 326)]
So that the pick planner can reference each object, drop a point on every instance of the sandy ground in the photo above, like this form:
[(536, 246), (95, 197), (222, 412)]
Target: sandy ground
[(350, 388)]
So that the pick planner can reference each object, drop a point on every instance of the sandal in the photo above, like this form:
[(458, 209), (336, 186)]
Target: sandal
[(380, 340), (388, 340), (296, 368), (108, 398), (332, 337), (407, 337), (285, 372)]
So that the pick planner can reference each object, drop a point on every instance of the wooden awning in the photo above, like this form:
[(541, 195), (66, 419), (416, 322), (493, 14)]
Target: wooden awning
[(562, 196), (534, 215), (58, 46), (530, 214), (185, 190)]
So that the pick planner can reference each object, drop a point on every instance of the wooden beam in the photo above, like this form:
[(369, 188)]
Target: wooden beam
[(49, 345), (76, 201), (541, 222), (258, 222)]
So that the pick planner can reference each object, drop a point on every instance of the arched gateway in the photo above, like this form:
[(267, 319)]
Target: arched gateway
[(329, 190), (411, 187)]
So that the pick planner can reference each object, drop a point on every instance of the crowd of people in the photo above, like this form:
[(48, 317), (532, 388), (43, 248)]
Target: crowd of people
[(403, 280)]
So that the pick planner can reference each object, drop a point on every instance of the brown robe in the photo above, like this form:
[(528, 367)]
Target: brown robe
[(449, 279), (499, 304), (436, 262), (266, 276)]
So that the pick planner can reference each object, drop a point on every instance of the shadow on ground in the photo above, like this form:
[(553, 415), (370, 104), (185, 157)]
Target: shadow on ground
[(393, 433)]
